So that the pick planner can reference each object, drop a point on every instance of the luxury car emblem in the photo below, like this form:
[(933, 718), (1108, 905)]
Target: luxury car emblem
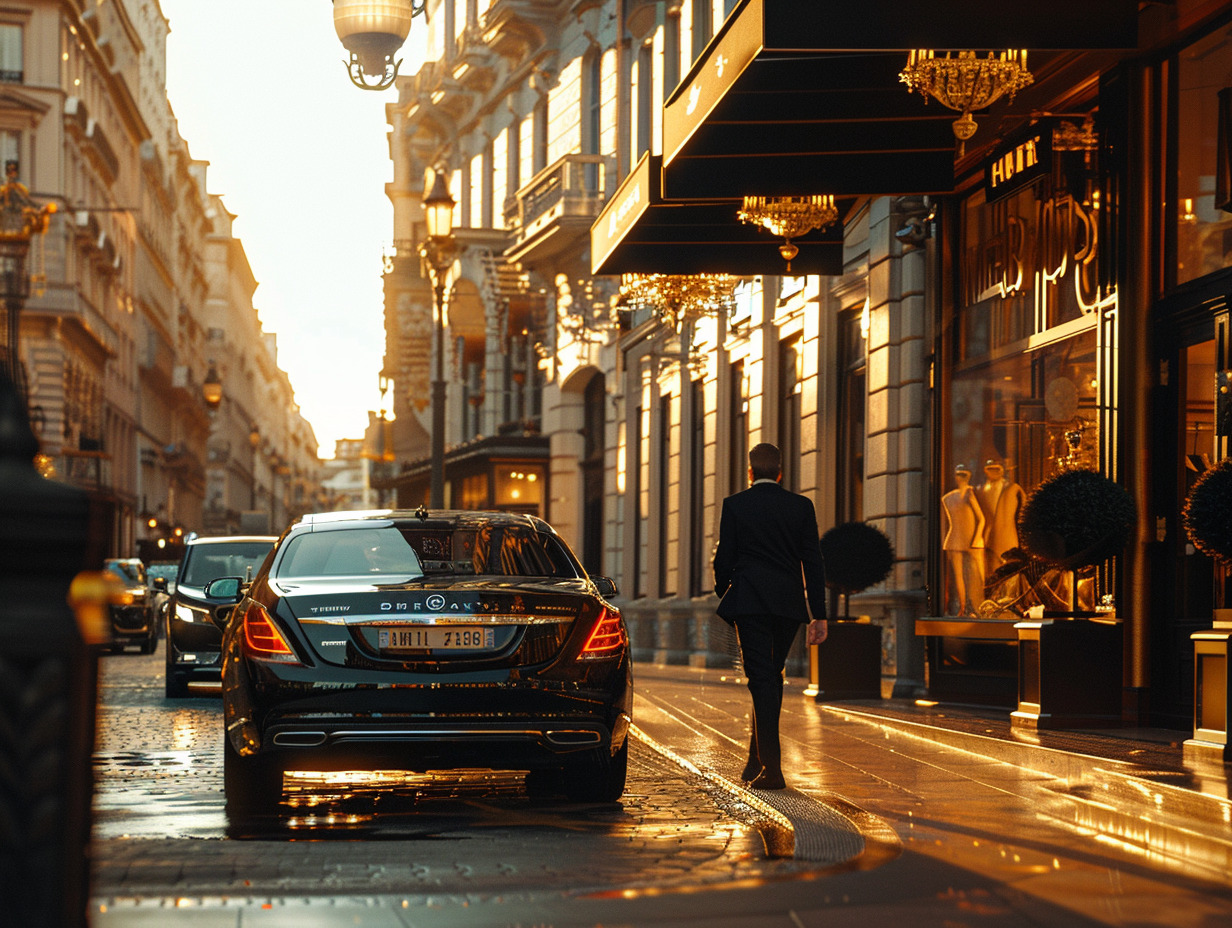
[(435, 602)]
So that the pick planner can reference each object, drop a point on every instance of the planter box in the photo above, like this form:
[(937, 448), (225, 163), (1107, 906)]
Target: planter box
[(1069, 673), (848, 662), (1212, 705)]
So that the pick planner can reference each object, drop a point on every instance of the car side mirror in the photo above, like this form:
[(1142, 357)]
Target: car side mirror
[(160, 584), (606, 586), (224, 588)]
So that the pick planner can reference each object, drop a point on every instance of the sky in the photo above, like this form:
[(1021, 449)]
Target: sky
[(301, 157)]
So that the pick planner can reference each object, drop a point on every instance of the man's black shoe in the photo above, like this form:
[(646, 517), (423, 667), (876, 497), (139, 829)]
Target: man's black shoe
[(750, 771), (767, 780)]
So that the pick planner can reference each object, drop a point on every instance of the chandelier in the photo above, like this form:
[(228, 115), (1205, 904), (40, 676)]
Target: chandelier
[(966, 82), (789, 217), (680, 298)]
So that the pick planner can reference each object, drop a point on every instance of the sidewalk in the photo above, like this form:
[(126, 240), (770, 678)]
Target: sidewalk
[(1126, 789)]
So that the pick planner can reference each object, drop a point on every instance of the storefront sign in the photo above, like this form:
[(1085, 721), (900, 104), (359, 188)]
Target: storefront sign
[(1019, 163)]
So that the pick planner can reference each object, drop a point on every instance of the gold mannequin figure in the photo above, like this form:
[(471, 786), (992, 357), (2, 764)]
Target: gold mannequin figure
[(964, 545), (1000, 499)]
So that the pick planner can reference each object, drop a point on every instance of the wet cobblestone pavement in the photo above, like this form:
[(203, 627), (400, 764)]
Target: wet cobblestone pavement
[(160, 827)]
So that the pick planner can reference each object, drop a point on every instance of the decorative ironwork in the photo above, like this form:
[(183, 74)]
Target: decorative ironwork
[(789, 217), (965, 82)]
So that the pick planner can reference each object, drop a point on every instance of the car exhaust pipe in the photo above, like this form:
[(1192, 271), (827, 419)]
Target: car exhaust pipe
[(299, 739)]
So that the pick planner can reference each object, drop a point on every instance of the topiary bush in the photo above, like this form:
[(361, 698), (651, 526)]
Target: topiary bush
[(1076, 519), (1207, 514), (857, 555)]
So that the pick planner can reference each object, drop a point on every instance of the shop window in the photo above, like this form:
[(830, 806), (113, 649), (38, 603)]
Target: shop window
[(473, 492), (1202, 213), (664, 496), (700, 578), (519, 488), (851, 397)]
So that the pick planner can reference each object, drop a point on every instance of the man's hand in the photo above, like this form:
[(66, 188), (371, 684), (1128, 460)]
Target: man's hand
[(817, 631)]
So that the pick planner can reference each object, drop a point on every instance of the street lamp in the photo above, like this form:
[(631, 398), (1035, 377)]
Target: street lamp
[(20, 221), (373, 31), (254, 440), (438, 254), (211, 388)]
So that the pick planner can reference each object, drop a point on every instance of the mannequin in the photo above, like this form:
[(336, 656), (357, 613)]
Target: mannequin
[(1000, 499), (964, 545)]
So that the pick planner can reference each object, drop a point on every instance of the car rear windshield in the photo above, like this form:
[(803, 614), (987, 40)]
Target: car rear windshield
[(388, 551), (204, 563)]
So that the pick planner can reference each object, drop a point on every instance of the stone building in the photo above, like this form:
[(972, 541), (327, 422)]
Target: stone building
[(116, 342)]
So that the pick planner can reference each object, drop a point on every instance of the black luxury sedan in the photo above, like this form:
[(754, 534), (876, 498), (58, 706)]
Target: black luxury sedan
[(424, 641), (193, 637), (133, 620)]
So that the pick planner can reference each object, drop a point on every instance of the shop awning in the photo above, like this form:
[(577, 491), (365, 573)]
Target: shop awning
[(799, 97), (639, 232), (794, 97)]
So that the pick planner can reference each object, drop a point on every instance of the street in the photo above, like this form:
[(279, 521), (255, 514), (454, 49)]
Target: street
[(940, 839)]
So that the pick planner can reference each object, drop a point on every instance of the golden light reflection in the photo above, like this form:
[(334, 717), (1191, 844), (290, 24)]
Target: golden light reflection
[(183, 731)]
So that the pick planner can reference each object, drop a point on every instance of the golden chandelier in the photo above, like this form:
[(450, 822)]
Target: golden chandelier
[(966, 82), (789, 217), (680, 298)]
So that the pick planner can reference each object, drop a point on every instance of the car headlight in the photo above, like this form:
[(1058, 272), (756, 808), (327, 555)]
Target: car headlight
[(188, 614)]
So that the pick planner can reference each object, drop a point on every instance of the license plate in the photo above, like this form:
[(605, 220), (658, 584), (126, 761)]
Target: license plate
[(456, 638)]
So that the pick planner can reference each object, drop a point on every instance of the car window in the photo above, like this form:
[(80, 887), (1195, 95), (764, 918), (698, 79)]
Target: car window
[(382, 552), (204, 563), (128, 572), (492, 549)]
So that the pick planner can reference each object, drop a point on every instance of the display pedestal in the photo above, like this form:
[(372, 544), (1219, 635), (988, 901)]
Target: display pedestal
[(1069, 673), (1209, 743)]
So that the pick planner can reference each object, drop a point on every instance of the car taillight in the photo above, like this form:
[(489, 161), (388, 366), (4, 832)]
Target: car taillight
[(607, 637), (262, 638)]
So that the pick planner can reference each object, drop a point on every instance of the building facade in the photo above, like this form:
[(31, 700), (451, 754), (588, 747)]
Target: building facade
[(1043, 296), (117, 337)]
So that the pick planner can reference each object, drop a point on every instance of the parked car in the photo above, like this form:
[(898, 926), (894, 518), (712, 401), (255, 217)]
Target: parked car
[(161, 577), (423, 641), (132, 622), (193, 638)]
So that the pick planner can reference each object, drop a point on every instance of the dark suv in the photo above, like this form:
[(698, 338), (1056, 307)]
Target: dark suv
[(133, 621), (193, 639)]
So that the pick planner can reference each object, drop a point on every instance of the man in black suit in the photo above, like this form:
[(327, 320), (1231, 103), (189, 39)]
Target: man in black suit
[(769, 573)]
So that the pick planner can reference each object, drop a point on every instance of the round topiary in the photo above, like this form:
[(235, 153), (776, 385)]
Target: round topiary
[(857, 555), (1076, 519), (1207, 515)]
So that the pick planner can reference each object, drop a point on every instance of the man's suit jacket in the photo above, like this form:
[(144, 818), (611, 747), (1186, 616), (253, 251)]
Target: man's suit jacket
[(768, 552)]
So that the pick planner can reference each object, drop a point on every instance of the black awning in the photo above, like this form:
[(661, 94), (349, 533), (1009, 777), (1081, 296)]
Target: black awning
[(640, 232), (795, 97), (801, 97)]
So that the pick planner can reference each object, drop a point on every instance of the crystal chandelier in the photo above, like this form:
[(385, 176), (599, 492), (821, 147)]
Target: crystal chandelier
[(789, 217), (680, 298), (966, 82)]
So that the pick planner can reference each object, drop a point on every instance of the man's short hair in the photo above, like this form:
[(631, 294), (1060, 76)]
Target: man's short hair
[(765, 461)]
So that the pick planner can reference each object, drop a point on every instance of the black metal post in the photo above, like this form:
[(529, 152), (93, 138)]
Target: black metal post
[(49, 672), (437, 496)]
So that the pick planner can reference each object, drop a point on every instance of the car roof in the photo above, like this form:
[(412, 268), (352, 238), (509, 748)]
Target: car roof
[(219, 539), (444, 519)]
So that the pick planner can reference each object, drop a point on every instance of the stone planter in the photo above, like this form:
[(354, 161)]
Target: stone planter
[(848, 662), (1069, 673)]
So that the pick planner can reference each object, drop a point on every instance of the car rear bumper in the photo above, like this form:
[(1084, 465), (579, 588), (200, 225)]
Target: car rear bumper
[(130, 622)]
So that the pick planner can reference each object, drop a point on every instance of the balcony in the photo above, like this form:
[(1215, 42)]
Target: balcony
[(514, 29), (90, 470), (557, 207)]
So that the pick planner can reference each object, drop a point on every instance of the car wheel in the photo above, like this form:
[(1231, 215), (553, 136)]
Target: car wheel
[(253, 783), (603, 781)]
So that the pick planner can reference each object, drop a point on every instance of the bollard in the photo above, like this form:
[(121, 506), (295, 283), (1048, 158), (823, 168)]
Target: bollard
[(48, 680)]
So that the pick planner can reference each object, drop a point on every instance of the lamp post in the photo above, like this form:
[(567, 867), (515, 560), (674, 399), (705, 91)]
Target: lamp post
[(20, 221), (438, 252), (254, 441), (373, 31)]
